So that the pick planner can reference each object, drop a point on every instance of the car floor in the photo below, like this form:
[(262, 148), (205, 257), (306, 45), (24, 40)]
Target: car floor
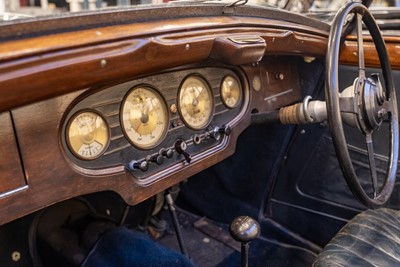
[(209, 244)]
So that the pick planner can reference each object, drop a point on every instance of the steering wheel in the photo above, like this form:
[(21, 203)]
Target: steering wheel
[(364, 105)]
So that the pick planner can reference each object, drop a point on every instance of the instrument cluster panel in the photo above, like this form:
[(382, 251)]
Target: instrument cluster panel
[(149, 124)]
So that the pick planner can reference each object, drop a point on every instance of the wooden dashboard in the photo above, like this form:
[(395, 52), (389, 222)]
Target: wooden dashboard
[(53, 70)]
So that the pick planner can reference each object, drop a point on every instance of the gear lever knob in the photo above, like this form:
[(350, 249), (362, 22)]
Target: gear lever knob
[(244, 229)]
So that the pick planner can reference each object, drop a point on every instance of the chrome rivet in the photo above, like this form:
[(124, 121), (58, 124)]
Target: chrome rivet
[(103, 63)]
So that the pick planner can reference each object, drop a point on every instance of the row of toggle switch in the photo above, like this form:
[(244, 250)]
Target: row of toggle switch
[(180, 147), (215, 133), (143, 165)]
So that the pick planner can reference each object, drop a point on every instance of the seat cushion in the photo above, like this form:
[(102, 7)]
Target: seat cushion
[(372, 238)]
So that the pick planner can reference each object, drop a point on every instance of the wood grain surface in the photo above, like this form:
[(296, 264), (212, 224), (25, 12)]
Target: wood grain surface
[(11, 173)]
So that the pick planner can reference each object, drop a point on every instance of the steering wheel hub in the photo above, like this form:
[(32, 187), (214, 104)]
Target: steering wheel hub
[(371, 109)]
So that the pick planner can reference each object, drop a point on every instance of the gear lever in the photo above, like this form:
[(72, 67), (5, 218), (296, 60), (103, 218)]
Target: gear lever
[(244, 229)]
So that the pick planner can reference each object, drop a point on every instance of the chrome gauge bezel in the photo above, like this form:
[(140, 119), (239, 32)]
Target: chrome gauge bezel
[(67, 134), (211, 99), (163, 104), (224, 98)]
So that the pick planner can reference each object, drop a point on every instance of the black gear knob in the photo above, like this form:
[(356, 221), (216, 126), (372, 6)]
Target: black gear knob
[(244, 229)]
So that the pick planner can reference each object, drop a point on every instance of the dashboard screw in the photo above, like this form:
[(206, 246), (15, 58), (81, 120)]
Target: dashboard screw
[(280, 76), (256, 82), (103, 63), (16, 256)]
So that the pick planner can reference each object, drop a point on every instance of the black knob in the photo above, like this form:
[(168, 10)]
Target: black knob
[(225, 130), (215, 134), (168, 153), (180, 147), (244, 229), (158, 159), (138, 165)]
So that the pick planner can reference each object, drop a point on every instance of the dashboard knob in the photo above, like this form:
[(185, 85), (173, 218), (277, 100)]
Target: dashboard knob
[(158, 159), (226, 130), (180, 147), (215, 134), (138, 165), (168, 153)]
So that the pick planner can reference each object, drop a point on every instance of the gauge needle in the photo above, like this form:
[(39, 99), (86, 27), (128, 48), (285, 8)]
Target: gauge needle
[(195, 101), (145, 112), (88, 124)]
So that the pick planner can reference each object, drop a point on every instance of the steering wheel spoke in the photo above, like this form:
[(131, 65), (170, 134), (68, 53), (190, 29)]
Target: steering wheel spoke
[(360, 47), (372, 163)]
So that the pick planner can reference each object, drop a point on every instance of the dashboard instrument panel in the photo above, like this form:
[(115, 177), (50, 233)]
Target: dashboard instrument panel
[(152, 123)]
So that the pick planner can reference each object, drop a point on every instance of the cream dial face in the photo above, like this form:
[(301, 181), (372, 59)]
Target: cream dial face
[(144, 117), (231, 92), (87, 135), (195, 102)]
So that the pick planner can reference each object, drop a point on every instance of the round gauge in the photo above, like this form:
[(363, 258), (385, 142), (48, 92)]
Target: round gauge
[(87, 135), (195, 102), (144, 117), (231, 92)]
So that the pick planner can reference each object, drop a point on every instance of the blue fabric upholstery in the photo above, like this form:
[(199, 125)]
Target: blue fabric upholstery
[(372, 238), (120, 247)]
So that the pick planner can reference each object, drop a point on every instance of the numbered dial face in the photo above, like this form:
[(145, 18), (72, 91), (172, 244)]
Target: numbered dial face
[(231, 92), (144, 117), (195, 102), (87, 135)]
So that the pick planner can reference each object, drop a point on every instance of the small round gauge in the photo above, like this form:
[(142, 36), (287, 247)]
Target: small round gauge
[(195, 102), (231, 92), (87, 135), (144, 117)]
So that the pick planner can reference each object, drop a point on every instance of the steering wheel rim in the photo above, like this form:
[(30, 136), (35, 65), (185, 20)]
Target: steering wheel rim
[(335, 114)]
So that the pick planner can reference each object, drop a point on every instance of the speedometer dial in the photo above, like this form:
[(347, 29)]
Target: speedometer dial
[(144, 117), (87, 135), (195, 102)]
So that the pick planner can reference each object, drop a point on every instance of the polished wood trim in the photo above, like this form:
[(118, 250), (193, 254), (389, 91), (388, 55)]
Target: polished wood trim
[(349, 54), (42, 67), (11, 173)]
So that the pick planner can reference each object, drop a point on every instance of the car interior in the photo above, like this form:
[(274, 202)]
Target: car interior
[(201, 134)]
